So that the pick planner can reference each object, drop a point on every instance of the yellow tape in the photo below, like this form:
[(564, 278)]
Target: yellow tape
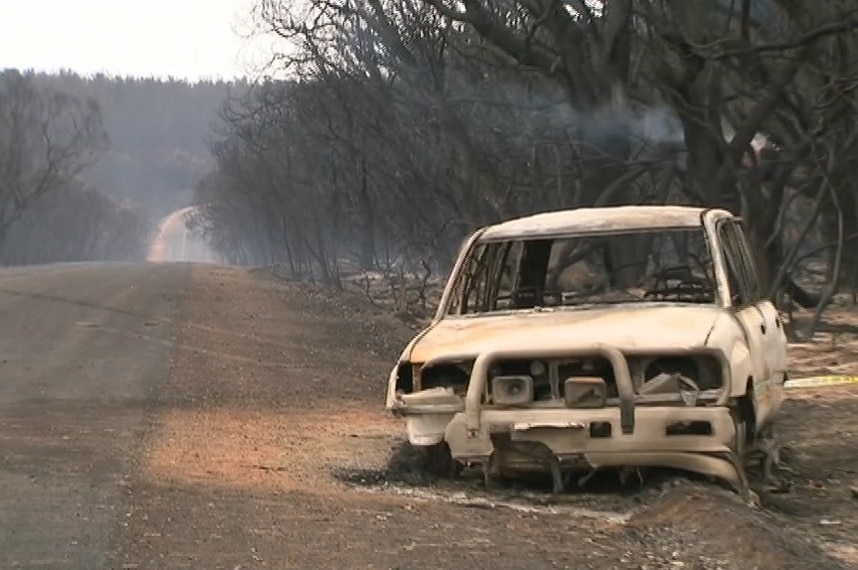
[(820, 381)]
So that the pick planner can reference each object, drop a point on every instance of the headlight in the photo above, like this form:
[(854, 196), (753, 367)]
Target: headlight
[(585, 392), (703, 369), (512, 390)]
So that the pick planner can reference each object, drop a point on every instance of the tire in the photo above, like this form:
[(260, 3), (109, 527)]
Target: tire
[(742, 414), (743, 441), (740, 440), (439, 462)]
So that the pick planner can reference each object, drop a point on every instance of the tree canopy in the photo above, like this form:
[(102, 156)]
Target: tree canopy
[(400, 125)]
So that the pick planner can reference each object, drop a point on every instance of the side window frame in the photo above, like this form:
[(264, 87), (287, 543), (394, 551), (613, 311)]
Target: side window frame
[(752, 273), (469, 274), (484, 285), (740, 265), (480, 279), (508, 258)]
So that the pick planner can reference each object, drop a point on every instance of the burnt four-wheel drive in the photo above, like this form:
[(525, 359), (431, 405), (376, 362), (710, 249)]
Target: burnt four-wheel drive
[(620, 337)]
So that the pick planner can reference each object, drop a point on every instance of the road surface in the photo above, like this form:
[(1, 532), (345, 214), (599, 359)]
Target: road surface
[(179, 416), (76, 385)]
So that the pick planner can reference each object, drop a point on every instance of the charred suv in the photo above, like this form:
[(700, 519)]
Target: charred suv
[(618, 337)]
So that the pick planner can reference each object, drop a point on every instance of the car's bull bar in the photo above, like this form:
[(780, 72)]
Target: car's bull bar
[(480, 374)]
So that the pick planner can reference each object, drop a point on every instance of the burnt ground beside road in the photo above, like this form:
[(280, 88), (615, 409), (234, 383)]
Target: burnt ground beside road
[(248, 471), (261, 442)]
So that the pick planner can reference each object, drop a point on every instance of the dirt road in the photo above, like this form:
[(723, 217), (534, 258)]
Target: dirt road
[(164, 416), (83, 351)]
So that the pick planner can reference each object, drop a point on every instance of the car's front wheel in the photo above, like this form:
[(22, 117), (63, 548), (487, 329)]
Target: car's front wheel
[(439, 462)]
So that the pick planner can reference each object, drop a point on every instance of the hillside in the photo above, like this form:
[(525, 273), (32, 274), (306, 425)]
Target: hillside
[(159, 131)]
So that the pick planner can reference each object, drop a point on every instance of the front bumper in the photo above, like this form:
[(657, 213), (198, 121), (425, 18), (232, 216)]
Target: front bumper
[(570, 435), (556, 441), (631, 433)]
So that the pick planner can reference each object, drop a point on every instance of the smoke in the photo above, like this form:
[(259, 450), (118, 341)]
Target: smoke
[(656, 125), (539, 109)]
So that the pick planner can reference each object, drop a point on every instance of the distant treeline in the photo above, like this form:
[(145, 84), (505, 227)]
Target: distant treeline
[(88, 164), (159, 132)]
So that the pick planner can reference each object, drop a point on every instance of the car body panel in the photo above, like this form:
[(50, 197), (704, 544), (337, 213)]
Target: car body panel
[(635, 327)]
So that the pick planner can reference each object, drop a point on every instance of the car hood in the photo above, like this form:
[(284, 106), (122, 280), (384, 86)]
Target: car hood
[(625, 327)]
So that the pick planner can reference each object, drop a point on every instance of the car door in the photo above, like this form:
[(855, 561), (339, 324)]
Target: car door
[(774, 336), (756, 315)]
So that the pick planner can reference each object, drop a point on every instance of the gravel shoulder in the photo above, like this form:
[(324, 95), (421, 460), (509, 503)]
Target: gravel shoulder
[(268, 447)]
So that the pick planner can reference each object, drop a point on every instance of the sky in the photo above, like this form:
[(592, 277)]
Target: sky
[(189, 39)]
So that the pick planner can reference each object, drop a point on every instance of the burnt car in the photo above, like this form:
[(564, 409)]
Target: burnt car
[(609, 337)]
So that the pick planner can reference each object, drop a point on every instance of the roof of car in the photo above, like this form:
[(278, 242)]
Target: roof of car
[(597, 220)]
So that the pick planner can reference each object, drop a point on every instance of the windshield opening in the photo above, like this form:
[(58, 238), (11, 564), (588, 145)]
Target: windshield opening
[(661, 265)]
